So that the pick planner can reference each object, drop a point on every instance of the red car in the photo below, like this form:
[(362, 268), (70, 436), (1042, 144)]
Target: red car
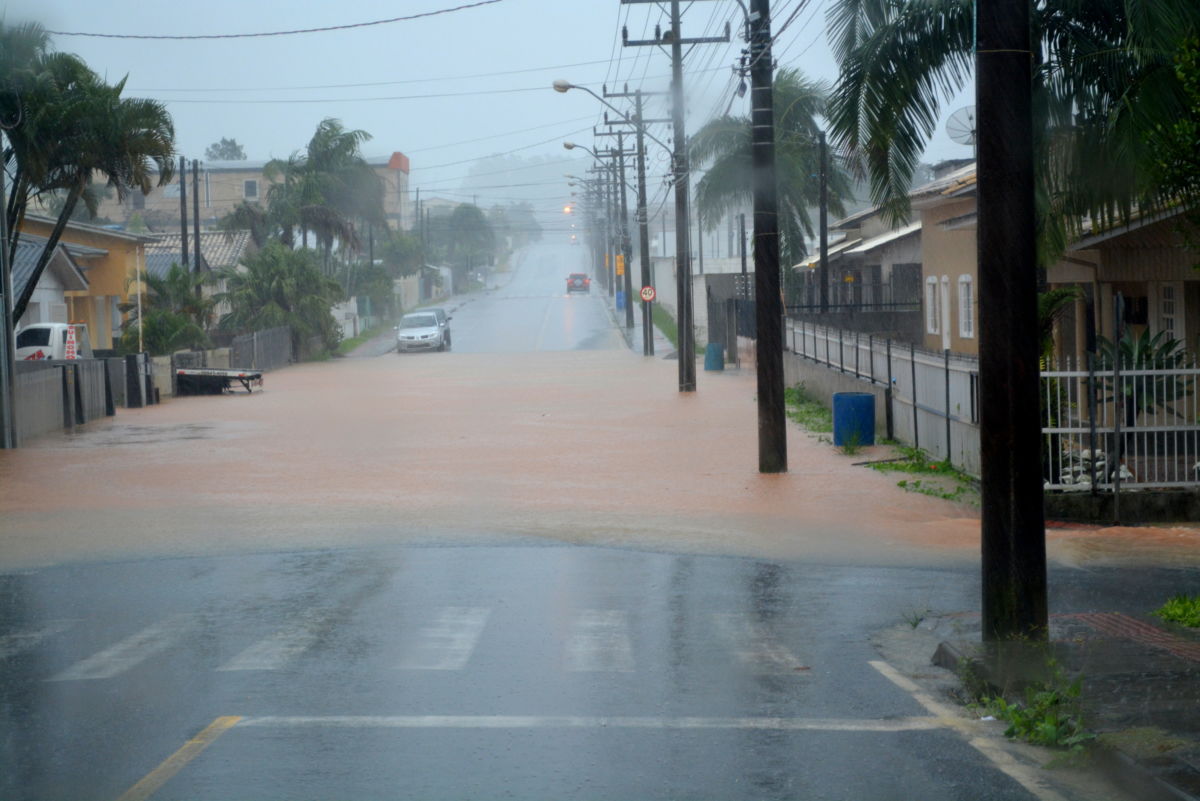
[(578, 282)]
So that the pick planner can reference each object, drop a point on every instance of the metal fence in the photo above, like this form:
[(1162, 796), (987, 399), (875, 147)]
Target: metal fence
[(1129, 424), (262, 350), (1102, 427), (932, 397)]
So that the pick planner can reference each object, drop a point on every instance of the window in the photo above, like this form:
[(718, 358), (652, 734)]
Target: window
[(933, 314), (1167, 310), (33, 337), (966, 307), (250, 190)]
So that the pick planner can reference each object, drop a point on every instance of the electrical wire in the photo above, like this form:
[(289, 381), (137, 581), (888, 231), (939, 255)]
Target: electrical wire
[(325, 29)]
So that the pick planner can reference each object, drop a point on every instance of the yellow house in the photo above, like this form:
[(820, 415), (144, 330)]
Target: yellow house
[(110, 260)]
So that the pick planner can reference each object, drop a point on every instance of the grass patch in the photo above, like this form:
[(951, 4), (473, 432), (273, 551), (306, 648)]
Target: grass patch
[(346, 345), (806, 410), (666, 323), (1182, 609), (938, 479), (1048, 713)]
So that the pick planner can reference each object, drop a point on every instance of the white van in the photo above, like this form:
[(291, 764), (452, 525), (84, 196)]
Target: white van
[(53, 341)]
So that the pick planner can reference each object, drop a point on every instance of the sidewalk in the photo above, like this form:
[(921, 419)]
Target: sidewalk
[(1140, 688)]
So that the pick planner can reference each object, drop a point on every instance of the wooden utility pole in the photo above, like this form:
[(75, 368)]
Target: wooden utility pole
[(1013, 521)]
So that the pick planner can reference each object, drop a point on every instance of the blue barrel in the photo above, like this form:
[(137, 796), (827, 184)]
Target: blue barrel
[(714, 356), (853, 418)]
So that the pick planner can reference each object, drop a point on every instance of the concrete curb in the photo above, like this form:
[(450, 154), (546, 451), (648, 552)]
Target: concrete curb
[(1163, 778)]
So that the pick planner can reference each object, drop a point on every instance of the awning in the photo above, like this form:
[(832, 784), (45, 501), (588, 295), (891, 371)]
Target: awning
[(833, 251), (890, 236)]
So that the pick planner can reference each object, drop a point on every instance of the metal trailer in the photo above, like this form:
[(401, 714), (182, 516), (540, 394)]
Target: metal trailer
[(207, 381)]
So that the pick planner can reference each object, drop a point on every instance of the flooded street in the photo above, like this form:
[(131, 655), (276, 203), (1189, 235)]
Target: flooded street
[(527, 563)]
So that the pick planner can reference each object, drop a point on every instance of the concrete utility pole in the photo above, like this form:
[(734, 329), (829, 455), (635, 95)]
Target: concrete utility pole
[(183, 220), (824, 214), (639, 124), (1013, 524), (626, 242), (772, 423), (683, 261), (8, 360), (196, 218)]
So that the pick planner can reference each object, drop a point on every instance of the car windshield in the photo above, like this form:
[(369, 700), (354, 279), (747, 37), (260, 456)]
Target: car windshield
[(419, 321), (31, 337)]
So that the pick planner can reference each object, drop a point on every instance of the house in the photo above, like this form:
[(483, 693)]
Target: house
[(1145, 260), (110, 261), (226, 184), (63, 273)]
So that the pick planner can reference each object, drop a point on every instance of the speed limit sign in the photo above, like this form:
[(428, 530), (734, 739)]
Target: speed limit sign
[(647, 293)]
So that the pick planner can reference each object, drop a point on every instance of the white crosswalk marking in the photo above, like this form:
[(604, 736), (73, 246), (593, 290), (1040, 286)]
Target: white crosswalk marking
[(22, 641), (447, 642), (756, 647), (599, 642), (132, 650), (275, 651)]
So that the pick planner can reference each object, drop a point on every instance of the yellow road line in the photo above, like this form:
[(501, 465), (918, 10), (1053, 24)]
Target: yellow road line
[(176, 761)]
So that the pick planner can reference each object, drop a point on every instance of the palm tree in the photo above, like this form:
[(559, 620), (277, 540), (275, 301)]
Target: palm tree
[(723, 145), (64, 126), (1103, 80), (281, 287)]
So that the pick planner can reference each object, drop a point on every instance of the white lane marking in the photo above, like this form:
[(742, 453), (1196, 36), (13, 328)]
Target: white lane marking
[(755, 645), (447, 643), (950, 717), (586, 722), (22, 641), (599, 642), (275, 651), (132, 650)]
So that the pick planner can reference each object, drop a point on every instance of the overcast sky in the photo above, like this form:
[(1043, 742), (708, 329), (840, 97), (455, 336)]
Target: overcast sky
[(445, 90)]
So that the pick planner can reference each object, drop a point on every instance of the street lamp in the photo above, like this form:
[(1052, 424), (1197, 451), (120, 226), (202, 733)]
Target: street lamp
[(683, 267)]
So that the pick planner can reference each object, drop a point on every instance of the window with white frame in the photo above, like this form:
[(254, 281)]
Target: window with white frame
[(966, 307), (1167, 310), (933, 314)]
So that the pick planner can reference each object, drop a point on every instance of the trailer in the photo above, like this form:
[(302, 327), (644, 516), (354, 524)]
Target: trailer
[(211, 381)]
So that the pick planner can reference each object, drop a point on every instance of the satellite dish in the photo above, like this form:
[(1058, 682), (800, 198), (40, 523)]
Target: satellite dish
[(961, 126)]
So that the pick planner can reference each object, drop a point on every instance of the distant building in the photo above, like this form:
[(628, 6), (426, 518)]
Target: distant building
[(225, 184)]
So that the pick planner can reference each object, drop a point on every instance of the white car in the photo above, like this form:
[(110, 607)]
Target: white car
[(41, 341), (420, 331)]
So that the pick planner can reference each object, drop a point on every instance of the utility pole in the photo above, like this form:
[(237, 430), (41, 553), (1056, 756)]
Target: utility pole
[(196, 218), (639, 124), (183, 220), (1013, 520), (824, 213), (683, 263), (772, 425), (8, 359), (626, 243)]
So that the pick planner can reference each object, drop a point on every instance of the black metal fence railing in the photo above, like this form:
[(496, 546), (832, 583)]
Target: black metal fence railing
[(855, 296)]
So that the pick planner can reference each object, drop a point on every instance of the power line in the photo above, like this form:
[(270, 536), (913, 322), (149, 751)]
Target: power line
[(376, 83), (277, 33), (363, 99)]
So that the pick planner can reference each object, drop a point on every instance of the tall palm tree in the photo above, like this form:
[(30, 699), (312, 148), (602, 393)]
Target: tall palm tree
[(1103, 80), (64, 126), (723, 146)]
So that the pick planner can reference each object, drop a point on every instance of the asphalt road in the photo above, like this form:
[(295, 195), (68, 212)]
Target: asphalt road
[(441, 576)]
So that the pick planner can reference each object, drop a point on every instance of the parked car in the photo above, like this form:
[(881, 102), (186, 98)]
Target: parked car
[(52, 341), (419, 331), (444, 321), (578, 282)]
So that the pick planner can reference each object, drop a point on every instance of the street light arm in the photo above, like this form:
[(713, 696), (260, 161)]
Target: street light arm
[(563, 87)]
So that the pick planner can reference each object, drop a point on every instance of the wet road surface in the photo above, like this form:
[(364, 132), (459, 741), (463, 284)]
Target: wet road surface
[(483, 672), (525, 568)]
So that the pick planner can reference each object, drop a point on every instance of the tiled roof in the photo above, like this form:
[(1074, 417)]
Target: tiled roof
[(29, 249), (219, 249)]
